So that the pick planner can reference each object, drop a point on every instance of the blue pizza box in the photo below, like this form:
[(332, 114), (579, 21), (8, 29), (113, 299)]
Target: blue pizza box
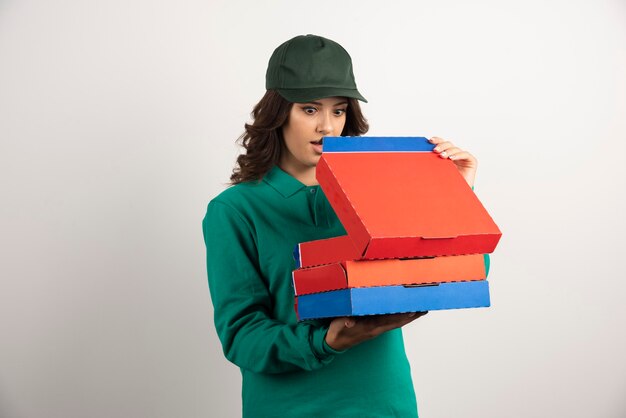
[(393, 299), (377, 144)]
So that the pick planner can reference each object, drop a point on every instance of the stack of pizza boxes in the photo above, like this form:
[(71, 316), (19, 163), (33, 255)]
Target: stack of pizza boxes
[(416, 233)]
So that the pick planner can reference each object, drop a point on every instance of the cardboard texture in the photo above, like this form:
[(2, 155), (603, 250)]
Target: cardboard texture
[(325, 251), (370, 273), (393, 299), (399, 204), (416, 233)]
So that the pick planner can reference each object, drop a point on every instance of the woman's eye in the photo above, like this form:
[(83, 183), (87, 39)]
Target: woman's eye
[(309, 110), (340, 112)]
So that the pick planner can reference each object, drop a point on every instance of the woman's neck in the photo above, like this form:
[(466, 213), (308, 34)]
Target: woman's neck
[(302, 173)]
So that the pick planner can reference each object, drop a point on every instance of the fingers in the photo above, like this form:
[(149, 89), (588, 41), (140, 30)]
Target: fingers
[(444, 148), (462, 155), (436, 140), (412, 316), (447, 149), (346, 332), (383, 323)]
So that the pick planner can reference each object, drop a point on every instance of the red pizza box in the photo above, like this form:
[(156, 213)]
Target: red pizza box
[(402, 202), (325, 251)]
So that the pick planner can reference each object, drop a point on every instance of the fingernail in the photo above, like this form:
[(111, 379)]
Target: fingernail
[(443, 154), (436, 149), (430, 140), (451, 157)]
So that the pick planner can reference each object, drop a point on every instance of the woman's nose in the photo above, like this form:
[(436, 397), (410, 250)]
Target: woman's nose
[(325, 126)]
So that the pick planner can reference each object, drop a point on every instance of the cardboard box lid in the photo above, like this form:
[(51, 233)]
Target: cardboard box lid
[(325, 251), (393, 299), (389, 272), (396, 199)]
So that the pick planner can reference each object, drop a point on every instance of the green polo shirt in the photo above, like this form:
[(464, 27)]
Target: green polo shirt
[(250, 230)]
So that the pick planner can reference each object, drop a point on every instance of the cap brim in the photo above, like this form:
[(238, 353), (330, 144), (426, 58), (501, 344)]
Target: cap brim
[(308, 95)]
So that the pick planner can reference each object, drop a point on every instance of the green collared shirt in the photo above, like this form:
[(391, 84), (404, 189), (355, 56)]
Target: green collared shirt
[(288, 370)]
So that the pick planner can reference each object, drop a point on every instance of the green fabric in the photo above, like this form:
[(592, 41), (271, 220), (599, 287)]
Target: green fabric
[(310, 67), (487, 263), (287, 368)]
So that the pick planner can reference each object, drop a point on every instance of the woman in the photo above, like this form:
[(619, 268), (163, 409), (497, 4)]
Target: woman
[(345, 367)]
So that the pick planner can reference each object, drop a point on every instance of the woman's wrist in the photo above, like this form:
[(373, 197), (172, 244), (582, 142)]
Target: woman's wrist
[(331, 340), (332, 348), (337, 327)]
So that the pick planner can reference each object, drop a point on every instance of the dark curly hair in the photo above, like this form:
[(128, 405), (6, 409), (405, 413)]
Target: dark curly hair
[(263, 139)]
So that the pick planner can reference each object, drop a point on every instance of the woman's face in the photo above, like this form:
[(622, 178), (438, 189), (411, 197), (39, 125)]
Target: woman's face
[(306, 125)]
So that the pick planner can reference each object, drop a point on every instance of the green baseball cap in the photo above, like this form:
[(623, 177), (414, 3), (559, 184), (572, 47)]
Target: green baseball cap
[(310, 67)]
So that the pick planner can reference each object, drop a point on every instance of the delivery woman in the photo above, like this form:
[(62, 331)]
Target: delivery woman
[(345, 367)]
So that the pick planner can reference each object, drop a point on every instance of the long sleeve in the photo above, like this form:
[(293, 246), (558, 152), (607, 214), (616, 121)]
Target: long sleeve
[(242, 302)]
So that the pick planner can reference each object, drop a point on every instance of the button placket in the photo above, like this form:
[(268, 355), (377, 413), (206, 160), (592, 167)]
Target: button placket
[(318, 204)]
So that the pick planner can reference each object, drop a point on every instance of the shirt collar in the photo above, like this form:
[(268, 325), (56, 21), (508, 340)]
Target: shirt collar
[(283, 182)]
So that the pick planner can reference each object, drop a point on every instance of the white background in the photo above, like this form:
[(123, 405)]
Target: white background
[(118, 122)]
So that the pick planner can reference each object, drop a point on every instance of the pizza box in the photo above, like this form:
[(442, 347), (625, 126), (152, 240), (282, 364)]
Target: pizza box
[(373, 273), (398, 199), (392, 299)]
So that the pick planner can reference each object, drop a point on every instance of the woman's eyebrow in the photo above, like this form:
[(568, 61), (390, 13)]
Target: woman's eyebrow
[(320, 104)]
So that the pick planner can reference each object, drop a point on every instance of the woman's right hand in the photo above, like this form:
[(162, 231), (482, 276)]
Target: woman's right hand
[(347, 332)]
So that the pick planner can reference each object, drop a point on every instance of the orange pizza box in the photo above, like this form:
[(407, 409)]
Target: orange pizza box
[(390, 272), (397, 199)]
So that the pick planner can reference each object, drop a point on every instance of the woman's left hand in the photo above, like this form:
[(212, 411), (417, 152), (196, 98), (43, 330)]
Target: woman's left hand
[(464, 161)]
